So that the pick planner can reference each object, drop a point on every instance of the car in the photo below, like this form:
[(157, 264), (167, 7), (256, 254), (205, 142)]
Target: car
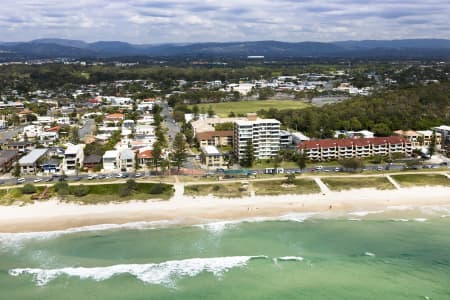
[(318, 168), (101, 176), (90, 177), (49, 179), (137, 175), (379, 168), (20, 180), (37, 180), (337, 169), (220, 170)]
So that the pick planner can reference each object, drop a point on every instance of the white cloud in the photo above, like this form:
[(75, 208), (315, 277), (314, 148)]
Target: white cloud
[(154, 21)]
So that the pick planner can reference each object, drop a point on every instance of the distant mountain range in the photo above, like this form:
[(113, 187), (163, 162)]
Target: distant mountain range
[(53, 48)]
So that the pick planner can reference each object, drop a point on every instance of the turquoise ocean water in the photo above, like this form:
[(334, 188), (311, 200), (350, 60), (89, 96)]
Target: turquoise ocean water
[(357, 256)]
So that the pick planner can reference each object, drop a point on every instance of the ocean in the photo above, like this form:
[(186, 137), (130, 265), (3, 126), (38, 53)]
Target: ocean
[(355, 256)]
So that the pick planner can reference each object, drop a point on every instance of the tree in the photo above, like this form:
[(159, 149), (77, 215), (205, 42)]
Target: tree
[(276, 160), (75, 135), (301, 159), (290, 179), (137, 165), (432, 146), (249, 155), (17, 170), (195, 111), (80, 190), (62, 188), (157, 153), (179, 153), (28, 189), (352, 164), (211, 112), (381, 129)]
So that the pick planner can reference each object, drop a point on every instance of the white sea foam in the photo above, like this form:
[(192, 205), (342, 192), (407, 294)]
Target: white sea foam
[(16, 240), (222, 225), (365, 213), (354, 220), (420, 220), (400, 220), (369, 254), (290, 258), (162, 273)]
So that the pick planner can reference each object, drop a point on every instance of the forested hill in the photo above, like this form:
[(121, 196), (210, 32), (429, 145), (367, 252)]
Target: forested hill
[(416, 108)]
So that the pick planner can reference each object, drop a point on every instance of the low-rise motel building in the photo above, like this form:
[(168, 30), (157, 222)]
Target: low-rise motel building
[(333, 149)]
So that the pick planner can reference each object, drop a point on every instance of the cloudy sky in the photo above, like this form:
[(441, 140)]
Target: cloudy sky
[(160, 21)]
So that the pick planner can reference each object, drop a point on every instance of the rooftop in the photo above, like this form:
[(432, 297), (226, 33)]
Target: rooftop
[(331, 143), (33, 156), (210, 150)]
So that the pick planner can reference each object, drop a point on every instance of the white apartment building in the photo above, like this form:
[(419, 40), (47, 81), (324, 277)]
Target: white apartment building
[(263, 133), (73, 159)]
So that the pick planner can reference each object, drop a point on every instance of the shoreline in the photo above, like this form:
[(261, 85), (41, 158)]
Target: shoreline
[(185, 210)]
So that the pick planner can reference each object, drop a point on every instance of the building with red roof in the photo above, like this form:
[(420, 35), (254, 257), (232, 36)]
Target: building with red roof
[(332, 149)]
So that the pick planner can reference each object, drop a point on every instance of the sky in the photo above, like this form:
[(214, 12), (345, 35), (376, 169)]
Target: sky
[(168, 21)]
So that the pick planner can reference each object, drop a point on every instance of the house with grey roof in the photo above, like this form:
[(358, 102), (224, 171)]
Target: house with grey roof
[(29, 164)]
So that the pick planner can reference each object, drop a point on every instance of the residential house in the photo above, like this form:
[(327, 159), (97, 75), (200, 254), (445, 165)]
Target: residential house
[(73, 159), (21, 147), (29, 164), (51, 166), (110, 161), (7, 159), (126, 160), (145, 157), (92, 161)]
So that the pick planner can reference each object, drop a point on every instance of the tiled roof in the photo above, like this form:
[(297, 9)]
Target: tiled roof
[(331, 143), (145, 154), (210, 134)]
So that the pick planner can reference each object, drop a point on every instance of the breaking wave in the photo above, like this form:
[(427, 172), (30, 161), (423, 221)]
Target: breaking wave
[(16, 240), (164, 273)]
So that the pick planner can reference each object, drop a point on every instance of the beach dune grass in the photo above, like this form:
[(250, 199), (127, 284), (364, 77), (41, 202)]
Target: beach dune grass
[(105, 193), (221, 190), (410, 180), (279, 187), (347, 183), (242, 107)]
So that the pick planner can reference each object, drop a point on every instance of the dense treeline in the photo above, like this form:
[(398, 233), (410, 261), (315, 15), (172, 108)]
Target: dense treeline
[(416, 108)]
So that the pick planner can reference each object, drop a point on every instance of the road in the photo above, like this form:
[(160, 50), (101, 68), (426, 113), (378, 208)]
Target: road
[(9, 133), (172, 126), (87, 129)]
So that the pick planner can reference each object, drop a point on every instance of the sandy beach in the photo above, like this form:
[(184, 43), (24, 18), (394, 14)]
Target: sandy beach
[(55, 215)]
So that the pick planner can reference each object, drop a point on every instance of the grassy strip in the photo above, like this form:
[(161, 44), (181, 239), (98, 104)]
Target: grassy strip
[(96, 194), (341, 184), (409, 180), (242, 107), (277, 187), (222, 190)]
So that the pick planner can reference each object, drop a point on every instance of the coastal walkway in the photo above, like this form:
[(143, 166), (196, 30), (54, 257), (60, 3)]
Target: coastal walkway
[(323, 187), (393, 182), (446, 175)]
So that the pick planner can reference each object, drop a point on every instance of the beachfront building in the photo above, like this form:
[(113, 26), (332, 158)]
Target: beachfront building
[(420, 138), (29, 164), (263, 133), (126, 160), (7, 159), (51, 166), (444, 131), (211, 157), (215, 138), (73, 159), (332, 149), (110, 159)]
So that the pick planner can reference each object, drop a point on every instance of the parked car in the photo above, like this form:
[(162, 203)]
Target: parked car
[(37, 180), (20, 180)]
